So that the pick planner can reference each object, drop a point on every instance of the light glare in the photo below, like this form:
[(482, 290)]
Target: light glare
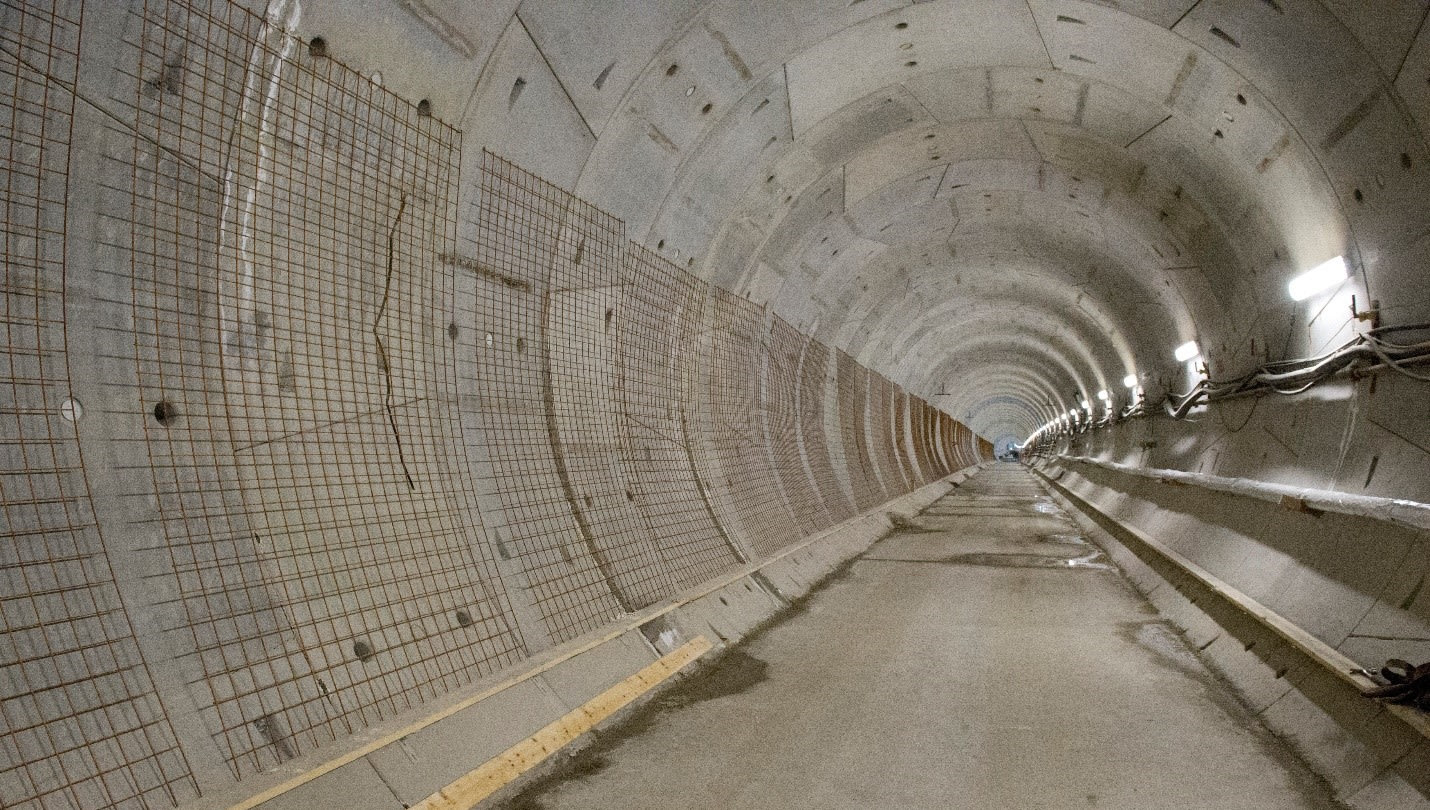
[(1321, 277), (1102, 395), (1186, 351), (1130, 381)]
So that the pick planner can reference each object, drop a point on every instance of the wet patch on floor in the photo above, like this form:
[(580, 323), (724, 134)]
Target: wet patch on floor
[(1064, 539), (1089, 562), (908, 525), (733, 673), (984, 512)]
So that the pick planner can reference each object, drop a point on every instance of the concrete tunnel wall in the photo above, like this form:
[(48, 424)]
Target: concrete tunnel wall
[(309, 426), (296, 362)]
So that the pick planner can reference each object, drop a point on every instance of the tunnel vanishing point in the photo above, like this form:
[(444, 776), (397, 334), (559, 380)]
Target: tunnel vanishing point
[(400, 396)]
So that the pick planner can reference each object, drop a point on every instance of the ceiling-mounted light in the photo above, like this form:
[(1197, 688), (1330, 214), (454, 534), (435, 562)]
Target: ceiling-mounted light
[(1321, 277), (1186, 351), (1102, 395), (1130, 381)]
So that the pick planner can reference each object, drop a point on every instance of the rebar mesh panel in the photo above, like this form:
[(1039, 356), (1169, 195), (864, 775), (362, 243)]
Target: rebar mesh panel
[(964, 446), (818, 450), (881, 436), (300, 403), (919, 425), (903, 442), (546, 378), (80, 725), (658, 331), (893, 451), (941, 445), (955, 444), (736, 457), (853, 414), (935, 452), (783, 428), (911, 421)]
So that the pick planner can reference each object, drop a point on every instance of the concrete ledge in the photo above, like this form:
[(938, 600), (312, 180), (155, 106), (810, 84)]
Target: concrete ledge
[(1374, 756), (1410, 514), (1356, 582), (399, 763)]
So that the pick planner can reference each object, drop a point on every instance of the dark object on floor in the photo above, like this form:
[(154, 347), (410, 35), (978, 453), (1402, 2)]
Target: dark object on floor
[(1405, 684)]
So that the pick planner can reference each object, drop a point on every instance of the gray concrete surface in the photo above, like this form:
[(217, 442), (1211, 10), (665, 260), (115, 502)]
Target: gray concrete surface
[(984, 656)]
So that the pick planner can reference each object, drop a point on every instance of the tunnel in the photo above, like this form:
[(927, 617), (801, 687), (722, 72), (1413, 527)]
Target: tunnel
[(715, 404)]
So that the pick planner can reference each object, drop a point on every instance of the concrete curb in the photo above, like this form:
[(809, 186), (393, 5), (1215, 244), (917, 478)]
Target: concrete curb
[(1373, 756)]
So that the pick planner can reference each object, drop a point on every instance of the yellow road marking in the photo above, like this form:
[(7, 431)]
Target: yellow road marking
[(527, 754)]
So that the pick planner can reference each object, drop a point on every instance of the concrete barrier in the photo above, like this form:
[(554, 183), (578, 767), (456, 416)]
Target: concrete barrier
[(1287, 605)]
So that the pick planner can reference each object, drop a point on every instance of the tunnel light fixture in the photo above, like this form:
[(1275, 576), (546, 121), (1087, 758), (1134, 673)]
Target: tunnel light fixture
[(1186, 351), (1319, 278), (1130, 381), (1103, 395)]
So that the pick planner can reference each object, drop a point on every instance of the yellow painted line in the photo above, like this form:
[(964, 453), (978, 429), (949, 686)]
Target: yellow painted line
[(527, 754)]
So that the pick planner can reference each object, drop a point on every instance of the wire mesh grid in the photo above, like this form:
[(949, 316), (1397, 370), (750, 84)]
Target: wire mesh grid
[(881, 436), (942, 442), (333, 489), (659, 327), (80, 725), (814, 374), (786, 350), (898, 460), (731, 418), (853, 415), (936, 458), (919, 421), (298, 405), (903, 447), (540, 383)]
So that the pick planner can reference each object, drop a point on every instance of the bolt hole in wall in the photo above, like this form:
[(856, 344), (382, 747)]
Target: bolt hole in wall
[(165, 413)]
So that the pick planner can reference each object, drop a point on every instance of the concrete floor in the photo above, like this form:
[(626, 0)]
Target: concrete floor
[(935, 675)]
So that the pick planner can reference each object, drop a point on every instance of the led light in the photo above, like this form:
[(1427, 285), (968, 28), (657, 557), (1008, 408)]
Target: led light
[(1102, 395), (1186, 351), (1130, 381), (1321, 277)]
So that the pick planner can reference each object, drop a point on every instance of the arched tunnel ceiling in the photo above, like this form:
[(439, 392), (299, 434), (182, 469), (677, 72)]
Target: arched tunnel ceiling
[(1005, 205)]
